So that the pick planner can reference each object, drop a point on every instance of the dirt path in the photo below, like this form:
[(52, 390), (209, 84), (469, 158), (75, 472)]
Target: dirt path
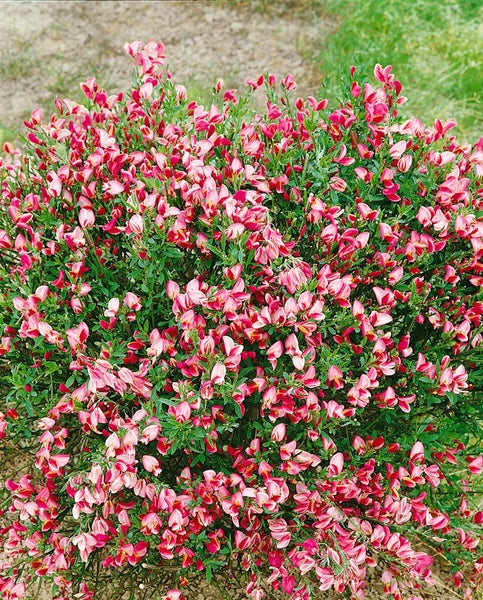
[(47, 48)]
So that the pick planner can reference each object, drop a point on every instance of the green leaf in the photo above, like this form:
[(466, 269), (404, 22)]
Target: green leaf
[(237, 409), (29, 407)]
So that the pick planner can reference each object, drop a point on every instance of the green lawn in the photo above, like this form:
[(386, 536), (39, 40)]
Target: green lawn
[(435, 47)]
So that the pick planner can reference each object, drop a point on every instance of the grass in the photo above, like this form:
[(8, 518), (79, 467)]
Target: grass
[(16, 62), (435, 48), (6, 135), (63, 82)]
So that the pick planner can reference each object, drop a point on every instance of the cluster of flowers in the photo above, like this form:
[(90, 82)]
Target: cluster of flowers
[(240, 339)]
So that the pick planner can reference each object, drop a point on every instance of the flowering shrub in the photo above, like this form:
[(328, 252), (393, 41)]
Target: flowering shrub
[(240, 344)]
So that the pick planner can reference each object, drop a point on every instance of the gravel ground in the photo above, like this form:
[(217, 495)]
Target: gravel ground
[(47, 48)]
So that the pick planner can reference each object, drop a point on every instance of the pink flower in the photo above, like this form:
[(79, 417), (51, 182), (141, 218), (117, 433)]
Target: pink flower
[(242, 541), (274, 352), (55, 184), (77, 337), (288, 82), (279, 531), (181, 93), (181, 412), (475, 465), (172, 289), (177, 521), (151, 524), (336, 465), (310, 313), (150, 433), (397, 150), (87, 217), (395, 275), (359, 445), (366, 211), (378, 319), (234, 231), (384, 74), (132, 301), (405, 163), (417, 453), (293, 350), (86, 544), (173, 594), (113, 188), (151, 464), (112, 307), (325, 578), (233, 505), (288, 583), (5, 241), (278, 432), (218, 374), (343, 159), (337, 184), (335, 377), (294, 278), (287, 450), (363, 174), (135, 225)]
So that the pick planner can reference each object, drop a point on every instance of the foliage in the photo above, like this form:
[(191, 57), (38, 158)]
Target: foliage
[(240, 340)]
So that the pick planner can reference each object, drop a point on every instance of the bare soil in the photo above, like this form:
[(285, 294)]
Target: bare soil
[(48, 48)]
